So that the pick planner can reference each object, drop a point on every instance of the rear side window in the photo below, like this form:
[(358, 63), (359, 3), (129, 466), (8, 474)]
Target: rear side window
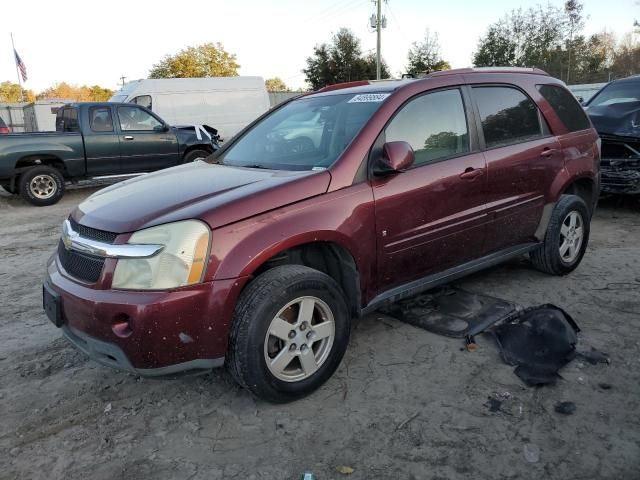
[(100, 119), (507, 115), (434, 125), (67, 120), (566, 107)]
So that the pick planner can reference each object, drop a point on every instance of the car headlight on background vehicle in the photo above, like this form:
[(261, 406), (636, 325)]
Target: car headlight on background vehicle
[(181, 262)]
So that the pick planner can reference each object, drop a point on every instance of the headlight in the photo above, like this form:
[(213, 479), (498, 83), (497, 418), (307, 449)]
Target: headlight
[(181, 262)]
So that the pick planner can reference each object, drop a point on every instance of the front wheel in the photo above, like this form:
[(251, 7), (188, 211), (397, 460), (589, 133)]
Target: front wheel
[(290, 331), (566, 238), (41, 185)]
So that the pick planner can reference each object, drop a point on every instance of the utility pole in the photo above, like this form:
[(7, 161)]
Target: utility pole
[(378, 22), (122, 79), (379, 41)]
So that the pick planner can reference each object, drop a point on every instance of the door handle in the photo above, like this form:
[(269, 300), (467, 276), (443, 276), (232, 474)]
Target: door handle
[(470, 173), (547, 152), (128, 137)]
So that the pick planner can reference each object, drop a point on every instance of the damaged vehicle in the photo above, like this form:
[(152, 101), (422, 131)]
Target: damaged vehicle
[(328, 207), (615, 113), (95, 140)]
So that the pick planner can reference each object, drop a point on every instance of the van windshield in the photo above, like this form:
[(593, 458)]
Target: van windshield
[(306, 134)]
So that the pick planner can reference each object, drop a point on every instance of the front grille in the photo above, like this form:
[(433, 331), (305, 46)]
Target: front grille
[(79, 265), (92, 233)]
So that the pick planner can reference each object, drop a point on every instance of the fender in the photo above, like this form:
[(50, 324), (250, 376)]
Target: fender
[(344, 217)]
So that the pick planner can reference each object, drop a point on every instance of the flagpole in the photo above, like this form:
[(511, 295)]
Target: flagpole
[(17, 69)]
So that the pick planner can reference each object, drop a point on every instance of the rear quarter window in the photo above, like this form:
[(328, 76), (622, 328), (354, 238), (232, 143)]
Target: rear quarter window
[(566, 107)]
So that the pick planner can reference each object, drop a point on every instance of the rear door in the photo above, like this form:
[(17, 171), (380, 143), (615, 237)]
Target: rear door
[(522, 157), (432, 216), (144, 146), (101, 142)]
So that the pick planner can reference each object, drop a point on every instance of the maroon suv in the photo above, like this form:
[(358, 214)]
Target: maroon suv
[(325, 208)]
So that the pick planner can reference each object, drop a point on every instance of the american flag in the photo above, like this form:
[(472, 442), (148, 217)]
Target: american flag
[(21, 66)]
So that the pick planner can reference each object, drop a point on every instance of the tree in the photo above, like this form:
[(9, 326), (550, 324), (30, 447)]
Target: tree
[(340, 60), (276, 85), (575, 23), (10, 93), (425, 56), (626, 59), (207, 60), (536, 37), (65, 91)]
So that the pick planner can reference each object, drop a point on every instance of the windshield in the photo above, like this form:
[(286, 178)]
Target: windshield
[(617, 93), (306, 134)]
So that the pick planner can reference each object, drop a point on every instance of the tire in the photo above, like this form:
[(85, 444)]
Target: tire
[(193, 155), (570, 210), (41, 185), (252, 342)]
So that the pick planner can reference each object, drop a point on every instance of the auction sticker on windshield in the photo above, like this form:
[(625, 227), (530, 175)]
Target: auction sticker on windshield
[(369, 98)]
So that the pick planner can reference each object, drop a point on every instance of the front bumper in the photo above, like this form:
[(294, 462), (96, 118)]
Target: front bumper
[(149, 333)]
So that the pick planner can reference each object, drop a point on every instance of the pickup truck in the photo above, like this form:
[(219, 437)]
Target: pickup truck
[(96, 140)]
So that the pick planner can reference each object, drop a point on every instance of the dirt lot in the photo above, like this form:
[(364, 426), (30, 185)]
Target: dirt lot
[(404, 404)]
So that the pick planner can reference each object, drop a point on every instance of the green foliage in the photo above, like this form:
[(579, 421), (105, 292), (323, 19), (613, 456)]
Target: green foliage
[(276, 85), (425, 56), (550, 38), (207, 60), (341, 60), (10, 93)]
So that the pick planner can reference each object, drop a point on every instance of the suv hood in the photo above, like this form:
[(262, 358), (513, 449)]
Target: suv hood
[(216, 194), (616, 119)]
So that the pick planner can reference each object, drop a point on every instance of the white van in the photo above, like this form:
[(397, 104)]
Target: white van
[(227, 104)]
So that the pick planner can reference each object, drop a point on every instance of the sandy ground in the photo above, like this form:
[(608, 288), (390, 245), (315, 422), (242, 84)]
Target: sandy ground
[(404, 403)]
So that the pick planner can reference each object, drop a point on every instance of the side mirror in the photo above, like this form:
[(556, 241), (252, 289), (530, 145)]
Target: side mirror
[(161, 128), (396, 157)]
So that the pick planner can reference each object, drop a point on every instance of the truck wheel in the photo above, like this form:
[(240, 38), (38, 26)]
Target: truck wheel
[(195, 154), (566, 239), (290, 330), (41, 185)]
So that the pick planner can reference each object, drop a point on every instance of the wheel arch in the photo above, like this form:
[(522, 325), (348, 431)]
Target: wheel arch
[(324, 253)]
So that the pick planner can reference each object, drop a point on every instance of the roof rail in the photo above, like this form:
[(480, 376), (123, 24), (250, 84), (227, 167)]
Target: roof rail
[(455, 71)]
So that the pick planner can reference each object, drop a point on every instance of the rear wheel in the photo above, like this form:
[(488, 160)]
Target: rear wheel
[(290, 331), (193, 155), (566, 239), (42, 185)]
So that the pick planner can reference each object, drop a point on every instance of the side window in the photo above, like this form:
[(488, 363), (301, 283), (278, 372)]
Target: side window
[(435, 125), (507, 115), (566, 107), (100, 119), (70, 120), (134, 118), (142, 100)]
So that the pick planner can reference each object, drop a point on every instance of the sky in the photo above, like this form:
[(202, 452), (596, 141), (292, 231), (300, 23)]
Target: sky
[(90, 42)]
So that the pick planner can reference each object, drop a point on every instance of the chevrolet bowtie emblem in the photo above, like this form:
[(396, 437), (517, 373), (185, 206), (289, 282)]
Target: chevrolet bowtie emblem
[(68, 236)]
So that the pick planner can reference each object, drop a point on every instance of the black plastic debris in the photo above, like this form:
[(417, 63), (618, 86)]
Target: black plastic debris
[(593, 356), (565, 408), (451, 312), (538, 341)]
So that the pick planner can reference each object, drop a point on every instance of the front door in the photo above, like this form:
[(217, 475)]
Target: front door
[(144, 145), (432, 216)]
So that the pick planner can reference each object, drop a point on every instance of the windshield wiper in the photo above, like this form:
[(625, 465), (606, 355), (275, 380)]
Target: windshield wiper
[(254, 165)]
